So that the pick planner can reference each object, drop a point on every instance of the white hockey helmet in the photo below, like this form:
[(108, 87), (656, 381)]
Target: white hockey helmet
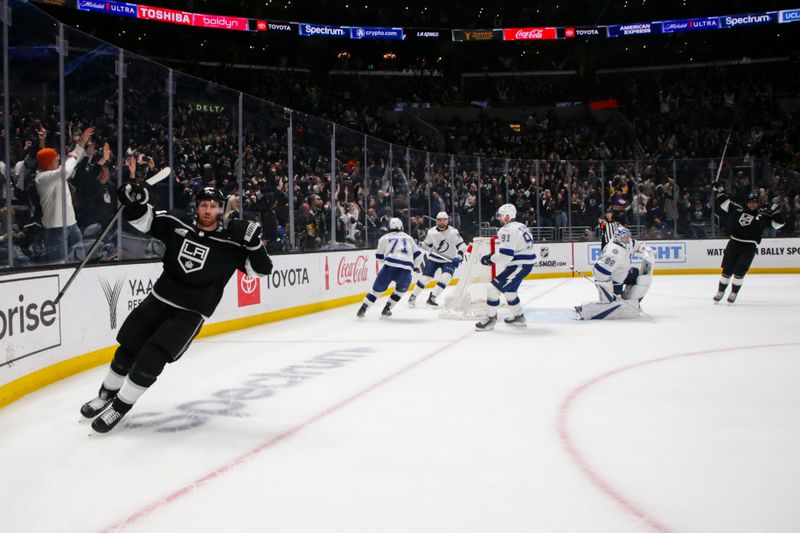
[(395, 224), (442, 215), (507, 209)]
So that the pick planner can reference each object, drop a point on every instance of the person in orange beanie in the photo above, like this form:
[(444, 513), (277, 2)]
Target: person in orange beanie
[(51, 190)]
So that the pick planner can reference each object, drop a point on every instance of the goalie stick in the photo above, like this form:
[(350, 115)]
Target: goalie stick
[(163, 173), (626, 302)]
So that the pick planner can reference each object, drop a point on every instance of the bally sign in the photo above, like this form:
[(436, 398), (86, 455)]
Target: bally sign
[(529, 34)]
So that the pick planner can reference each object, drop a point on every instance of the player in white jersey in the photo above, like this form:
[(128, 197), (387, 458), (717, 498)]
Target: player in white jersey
[(400, 256), (620, 286), (515, 257), (446, 250)]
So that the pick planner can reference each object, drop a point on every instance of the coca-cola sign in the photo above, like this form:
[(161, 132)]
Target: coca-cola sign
[(529, 34), (355, 271)]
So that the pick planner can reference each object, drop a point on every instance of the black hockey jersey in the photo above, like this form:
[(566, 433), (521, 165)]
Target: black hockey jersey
[(746, 225), (197, 264)]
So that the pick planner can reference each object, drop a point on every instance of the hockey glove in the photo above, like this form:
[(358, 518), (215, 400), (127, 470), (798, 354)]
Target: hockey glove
[(719, 188), (132, 194), (455, 261), (486, 260), (246, 233)]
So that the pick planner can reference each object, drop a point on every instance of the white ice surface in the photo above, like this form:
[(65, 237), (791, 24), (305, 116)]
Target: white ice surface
[(688, 422)]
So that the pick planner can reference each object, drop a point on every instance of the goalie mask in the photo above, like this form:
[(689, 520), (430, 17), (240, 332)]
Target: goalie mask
[(623, 237)]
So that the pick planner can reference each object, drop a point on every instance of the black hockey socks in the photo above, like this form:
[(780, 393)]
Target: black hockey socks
[(737, 283), (723, 283)]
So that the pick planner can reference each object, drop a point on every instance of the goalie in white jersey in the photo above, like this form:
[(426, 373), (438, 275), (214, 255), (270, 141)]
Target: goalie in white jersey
[(515, 257), (400, 256), (446, 250), (620, 286)]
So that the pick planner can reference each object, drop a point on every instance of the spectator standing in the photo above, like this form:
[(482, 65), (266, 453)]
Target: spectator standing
[(52, 193)]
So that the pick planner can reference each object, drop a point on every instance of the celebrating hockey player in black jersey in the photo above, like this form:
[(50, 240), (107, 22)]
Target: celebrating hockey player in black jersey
[(746, 227), (200, 258)]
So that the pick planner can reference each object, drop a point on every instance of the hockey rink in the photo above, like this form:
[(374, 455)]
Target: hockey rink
[(683, 421)]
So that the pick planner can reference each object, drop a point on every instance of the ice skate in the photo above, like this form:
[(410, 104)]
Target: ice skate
[(110, 417), (412, 301), (486, 324), (95, 406), (732, 297), (387, 311), (432, 301), (719, 295), (362, 311), (518, 321)]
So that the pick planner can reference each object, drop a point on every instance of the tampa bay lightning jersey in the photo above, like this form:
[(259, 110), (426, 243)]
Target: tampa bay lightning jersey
[(398, 249), (615, 261), (444, 245), (514, 245)]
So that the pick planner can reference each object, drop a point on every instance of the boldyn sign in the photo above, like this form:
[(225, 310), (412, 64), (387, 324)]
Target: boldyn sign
[(29, 319)]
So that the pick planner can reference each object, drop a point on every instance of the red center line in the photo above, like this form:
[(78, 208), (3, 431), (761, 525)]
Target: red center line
[(186, 489), (583, 464)]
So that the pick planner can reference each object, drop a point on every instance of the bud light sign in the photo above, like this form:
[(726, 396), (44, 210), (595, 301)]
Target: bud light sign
[(665, 252)]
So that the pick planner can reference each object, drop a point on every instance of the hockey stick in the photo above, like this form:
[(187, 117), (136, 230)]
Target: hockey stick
[(163, 173), (626, 302)]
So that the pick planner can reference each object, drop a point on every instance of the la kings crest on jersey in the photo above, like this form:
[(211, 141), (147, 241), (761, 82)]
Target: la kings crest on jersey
[(746, 219), (192, 256)]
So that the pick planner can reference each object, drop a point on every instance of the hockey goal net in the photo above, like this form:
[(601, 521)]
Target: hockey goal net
[(467, 300)]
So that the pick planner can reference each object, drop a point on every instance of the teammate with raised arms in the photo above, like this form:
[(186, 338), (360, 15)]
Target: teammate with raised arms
[(400, 256), (446, 251), (515, 257), (747, 224)]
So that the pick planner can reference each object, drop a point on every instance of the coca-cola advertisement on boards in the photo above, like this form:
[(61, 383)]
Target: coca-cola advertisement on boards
[(344, 271), (529, 34)]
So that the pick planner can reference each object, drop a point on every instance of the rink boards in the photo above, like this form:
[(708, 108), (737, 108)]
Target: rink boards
[(41, 343)]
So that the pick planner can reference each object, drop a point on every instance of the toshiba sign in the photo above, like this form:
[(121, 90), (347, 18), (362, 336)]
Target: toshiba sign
[(165, 15), (529, 34)]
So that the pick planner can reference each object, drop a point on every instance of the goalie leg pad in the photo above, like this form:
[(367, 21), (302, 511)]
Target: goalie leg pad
[(638, 290), (609, 310)]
